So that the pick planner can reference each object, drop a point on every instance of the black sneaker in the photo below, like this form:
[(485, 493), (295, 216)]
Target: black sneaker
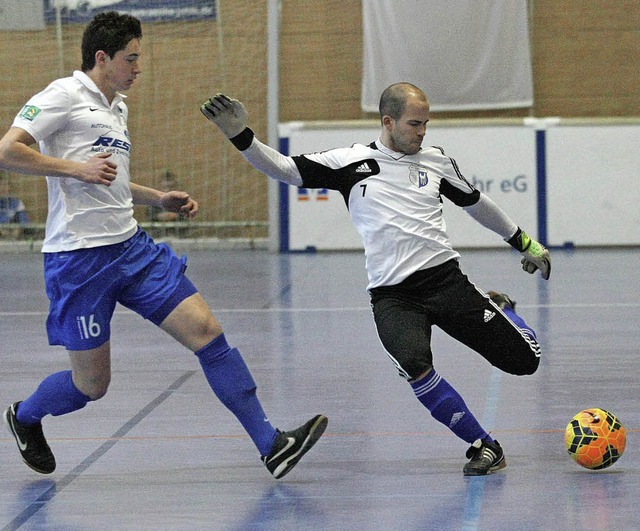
[(486, 457), (33, 446), (290, 446), (502, 300)]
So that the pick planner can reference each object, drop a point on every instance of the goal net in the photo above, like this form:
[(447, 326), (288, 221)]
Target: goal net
[(191, 49)]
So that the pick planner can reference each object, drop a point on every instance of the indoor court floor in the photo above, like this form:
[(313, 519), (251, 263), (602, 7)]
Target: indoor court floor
[(159, 452)]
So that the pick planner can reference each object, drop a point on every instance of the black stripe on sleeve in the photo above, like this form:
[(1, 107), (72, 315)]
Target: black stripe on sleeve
[(457, 196), (454, 194)]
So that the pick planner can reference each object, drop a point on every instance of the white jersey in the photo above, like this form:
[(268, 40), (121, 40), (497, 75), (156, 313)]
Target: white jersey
[(395, 202), (71, 119)]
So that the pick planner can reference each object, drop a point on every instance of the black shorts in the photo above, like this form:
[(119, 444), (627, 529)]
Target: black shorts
[(443, 296)]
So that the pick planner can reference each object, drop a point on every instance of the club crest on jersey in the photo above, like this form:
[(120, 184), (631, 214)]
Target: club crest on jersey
[(418, 175), (29, 112)]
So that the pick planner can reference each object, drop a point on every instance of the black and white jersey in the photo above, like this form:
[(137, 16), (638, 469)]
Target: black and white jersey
[(395, 203)]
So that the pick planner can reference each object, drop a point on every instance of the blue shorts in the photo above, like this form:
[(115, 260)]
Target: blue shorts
[(84, 286)]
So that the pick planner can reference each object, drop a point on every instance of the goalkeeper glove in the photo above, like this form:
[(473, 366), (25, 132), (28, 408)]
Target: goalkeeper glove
[(534, 255), (229, 115)]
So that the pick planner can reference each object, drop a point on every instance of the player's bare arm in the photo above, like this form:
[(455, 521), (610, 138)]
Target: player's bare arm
[(17, 155), (172, 201)]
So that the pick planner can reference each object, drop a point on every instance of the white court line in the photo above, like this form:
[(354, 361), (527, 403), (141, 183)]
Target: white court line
[(353, 309)]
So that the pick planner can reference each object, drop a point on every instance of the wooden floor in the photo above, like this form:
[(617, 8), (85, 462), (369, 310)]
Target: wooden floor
[(159, 451)]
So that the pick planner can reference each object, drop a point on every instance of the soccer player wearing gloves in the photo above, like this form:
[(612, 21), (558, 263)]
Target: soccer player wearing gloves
[(393, 188)]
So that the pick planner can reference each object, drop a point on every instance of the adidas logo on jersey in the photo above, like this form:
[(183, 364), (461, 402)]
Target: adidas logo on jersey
[(488, 315), (363, 168)]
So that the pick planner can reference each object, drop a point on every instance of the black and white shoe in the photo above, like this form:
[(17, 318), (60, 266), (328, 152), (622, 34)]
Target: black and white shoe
[(33, 446), (290, 446), (486, 457)]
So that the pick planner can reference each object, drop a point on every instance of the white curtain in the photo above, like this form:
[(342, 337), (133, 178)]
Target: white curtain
[(465, 54)]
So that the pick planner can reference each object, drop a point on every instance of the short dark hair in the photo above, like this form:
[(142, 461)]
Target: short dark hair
[(394, 98), (109, 32)]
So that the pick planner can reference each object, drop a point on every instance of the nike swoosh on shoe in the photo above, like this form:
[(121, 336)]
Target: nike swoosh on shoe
[(290, 442)]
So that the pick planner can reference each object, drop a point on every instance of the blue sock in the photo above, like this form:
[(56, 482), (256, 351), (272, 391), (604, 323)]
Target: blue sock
[(231, 381), (56, 395), (448, 407), (519, 322)]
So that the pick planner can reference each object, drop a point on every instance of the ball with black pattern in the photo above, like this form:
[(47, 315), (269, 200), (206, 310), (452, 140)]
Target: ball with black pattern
[(595, 438)]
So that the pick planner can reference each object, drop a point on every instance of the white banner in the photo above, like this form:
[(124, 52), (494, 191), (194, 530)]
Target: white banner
[(465, 54), (499, 160)]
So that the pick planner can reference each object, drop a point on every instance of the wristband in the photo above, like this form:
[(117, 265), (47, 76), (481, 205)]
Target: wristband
[(243, 140), (520, 241)]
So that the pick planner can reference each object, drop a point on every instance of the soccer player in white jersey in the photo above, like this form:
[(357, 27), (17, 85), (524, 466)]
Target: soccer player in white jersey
[(393, 188), (95, 255)]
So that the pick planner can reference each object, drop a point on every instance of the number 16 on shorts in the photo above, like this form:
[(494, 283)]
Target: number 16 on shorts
[(88, 328)]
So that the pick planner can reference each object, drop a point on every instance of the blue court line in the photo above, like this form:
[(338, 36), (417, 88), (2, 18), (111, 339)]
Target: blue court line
[(59, 485), (475, 487)]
